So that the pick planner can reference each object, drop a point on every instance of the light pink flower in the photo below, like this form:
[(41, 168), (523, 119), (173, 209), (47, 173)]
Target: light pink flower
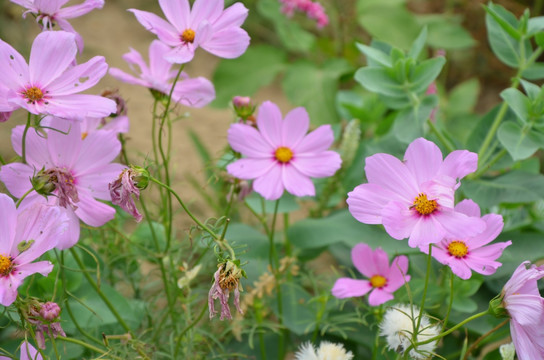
[(49, 84), (159, 76), (472, 253), (207, 25), (28, 352), (279, 154), (525, 306), (85, 165), (383, 279), (25, 235), (414, 198), (50, 12)]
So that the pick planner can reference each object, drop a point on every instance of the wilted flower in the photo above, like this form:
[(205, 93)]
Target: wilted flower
[(129, 183), (226, 279), (398, 328), (326, 351), (28, 352), (46, 318)]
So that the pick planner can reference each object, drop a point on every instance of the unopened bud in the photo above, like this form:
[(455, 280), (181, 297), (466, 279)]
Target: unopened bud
[(243, 107), (140, 176), (50, 311), (496, 307), (350, 142), (43, 183)]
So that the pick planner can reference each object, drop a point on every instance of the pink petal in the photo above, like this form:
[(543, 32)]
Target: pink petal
[(398, 220), (366, 202), (133, 57), (181, 54), (229, 43), (490, 252), (270, 124), (459, 225), (297, 183), (526, 346), (64, 148), (524, 309), (295, 127), (8, 223), (51, 54), (362, 258), (71, 236), (80, 77), (14, 67), (248, 169), (233, 16), (206, 11), (484, 266), (398, 274), (49, 6), (270, 185), (158, 26), (40, 267), (91, 211), (80, 106), (468, 207), (97, 181), (37, 154), (423, 158), (65, 25), (381, 262), (28, 352), (317, 165), (80, 9), (346, 287), (247, 140), (177, 12), (459, 163), (159, 68), (316, 141), (459, 268), (426, 231), (8, 289), (441, 189), (494, 226), (16, 177), (197, 92), (391, 174), (127, 78), (97, 150), (378, 297)]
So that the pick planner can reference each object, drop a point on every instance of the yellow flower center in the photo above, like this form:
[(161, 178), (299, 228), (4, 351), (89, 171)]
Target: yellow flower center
[(284, 154), (458, 249), (378, 281), (188, 36), (6, 265), (423, 205), (33, 94)]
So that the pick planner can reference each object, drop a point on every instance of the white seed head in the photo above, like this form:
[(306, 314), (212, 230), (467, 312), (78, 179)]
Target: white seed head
[(326, 351)]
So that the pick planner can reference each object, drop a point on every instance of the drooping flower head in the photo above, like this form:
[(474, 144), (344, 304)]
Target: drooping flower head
[(279, 154), (525, 306), (383, 280), (325, 351), (50, 12), (49, 84), (225, 279), (207, 25), (414, 198), (46, 318), (472, 253), (28, 352), (79, 171), (25, 235), (128, 184), (398, 328), (159, 76)]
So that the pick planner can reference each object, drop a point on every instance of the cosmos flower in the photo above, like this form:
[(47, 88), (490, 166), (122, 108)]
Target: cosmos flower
[(525, 306), (472, 253), (325, 351), (279, 154), (414, 198), (77, 170), (50, 12), (383, 279), (49, 84), (28, 352), (25, 235), (207, 25), (159, 76)]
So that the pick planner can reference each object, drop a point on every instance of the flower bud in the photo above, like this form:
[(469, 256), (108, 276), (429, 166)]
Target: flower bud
[(50, 311), (350, 142), (43, 183), (140, 176), (496, 307), (243, 107)]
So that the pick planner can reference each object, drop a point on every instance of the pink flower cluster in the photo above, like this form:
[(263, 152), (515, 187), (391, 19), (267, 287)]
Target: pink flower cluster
[(313, 10)]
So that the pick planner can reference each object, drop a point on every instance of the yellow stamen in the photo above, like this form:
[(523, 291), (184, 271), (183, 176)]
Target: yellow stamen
[(378, 281), (458, 249), (33, 94), (423, 205), (284, 154), (84, 135), (188, 36), (6, 265)]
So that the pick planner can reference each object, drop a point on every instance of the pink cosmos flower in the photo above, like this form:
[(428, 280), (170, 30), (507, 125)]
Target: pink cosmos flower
[(28, 352), (50, 12), (383, 279), (159, 76), (78, 169), (49, 84), (525, 306), (25, 235), (206, 25), (279, 154), (472, 253), (414, 198)]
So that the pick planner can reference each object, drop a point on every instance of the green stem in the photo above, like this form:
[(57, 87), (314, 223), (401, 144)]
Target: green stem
[(100, 293), (27, 126), (23, 197), (88, 346), (180, 337), (427, 275), (440, 136), (475, 344), (54, 343), (491, 162), (450, 302)]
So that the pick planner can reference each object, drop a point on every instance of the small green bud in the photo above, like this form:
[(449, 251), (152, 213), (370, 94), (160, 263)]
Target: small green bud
[(350, 142), (43, 182), (140, 176), (496, 307)]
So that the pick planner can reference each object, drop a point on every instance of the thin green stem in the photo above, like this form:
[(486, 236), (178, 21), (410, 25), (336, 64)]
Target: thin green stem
[(23, 197), (53, 342), (427, 275), (272, 256), (491, 162), (88, 346), (440, 136), (180, 337), (27, 126), (477, 342), (288, 247), (450, 302), (100, 293)]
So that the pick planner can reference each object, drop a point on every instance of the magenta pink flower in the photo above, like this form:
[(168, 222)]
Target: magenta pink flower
[(25, 235), (159, 76), (313, 10), (383, 280), (525, 306), (46, 319), (279, 154), (414, 198), (50, 12), (79, 170), (472, 253), (49, 84), (206, 25), (28, 352)]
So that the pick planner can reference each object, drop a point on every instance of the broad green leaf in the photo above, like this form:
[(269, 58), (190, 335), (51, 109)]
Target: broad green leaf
[(426, 72), (534, 72), (463, 98), (245, 75), (505, 19), (446, 32), (532, 90), (298, 311), (375, 54), (535, 25), (518, 102), (463, 290), (520, 143), (380, 81), (418, 44)]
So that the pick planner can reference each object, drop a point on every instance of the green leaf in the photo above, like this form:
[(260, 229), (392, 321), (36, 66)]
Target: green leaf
[(245, 75), (463, 98), (315, 88), (518, 102), (380, 81), (288, 203), (535, 25), (426, 72), (418, 44), (539, 39), (298, 311), (532, 90), (520, 143), (534, 72), (446, 32), (505, 19), (375, 54), (463, 290), (409, 122)]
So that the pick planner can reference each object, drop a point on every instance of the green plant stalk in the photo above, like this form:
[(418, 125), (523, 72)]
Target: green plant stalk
[(450, 302), (491, 162), (440, 136), (427, 275), (154, 145), (100, 293), (88, 346), (23, 144), (475, 344), (180, 337), (53, 343), (23, 197)]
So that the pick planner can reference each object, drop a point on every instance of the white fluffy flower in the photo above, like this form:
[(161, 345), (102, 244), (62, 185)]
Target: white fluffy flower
[(398, 328), (326, 351)]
